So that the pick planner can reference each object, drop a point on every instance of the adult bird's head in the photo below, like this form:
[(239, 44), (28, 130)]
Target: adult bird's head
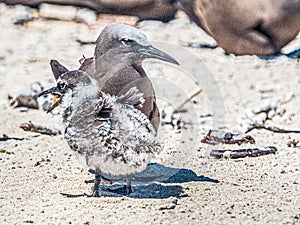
[(123, 45), (72, 89)]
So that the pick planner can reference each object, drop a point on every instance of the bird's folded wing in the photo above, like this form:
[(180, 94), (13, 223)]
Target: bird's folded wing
[(132, 97)]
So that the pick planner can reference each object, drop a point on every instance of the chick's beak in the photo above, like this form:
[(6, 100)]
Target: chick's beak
[(56, 99), (49, 91)]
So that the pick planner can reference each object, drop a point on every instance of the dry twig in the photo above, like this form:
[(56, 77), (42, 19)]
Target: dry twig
[(242, 153), (39, 129), (273, 129), (198, 92)]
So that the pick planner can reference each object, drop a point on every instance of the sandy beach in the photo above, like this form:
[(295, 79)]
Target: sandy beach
[(36, 169)]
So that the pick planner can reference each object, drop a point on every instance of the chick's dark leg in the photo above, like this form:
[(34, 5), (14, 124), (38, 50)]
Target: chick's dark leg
[(128, 189), (97, 183), (104, 180)]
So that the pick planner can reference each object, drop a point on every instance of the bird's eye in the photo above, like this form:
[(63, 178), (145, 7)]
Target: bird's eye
[(127, 42), (61, 85)]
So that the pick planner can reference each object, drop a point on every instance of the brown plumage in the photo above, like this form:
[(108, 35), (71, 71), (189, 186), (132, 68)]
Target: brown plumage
[(246, 27)]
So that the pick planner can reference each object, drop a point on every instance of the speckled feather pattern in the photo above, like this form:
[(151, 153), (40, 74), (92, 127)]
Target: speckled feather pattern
[(110, 134)]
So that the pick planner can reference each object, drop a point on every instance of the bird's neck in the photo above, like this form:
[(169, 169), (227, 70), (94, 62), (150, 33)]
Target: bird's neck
[(112, 62)]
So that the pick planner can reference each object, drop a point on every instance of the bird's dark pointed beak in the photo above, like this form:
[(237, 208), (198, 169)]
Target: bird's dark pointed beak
[(56, 99), (151, 52), (49, 91)]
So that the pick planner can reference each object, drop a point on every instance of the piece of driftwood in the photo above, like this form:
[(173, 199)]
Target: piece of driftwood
[(162, 10), (23, 101), (242, 153), (273, 129), (217, 137), (39, 129)]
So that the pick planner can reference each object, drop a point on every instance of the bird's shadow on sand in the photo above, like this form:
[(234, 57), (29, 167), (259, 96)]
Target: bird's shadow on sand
[(291, 55), (157, 181)]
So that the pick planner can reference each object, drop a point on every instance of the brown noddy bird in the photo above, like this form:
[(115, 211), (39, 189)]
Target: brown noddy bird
[(117, 64), (260, 27)]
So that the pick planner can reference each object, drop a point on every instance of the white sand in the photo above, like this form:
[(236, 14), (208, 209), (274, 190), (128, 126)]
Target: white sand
[(251, 190)]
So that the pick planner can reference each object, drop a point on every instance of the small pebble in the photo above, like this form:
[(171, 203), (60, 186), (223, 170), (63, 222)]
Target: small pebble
[(173, 200)]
